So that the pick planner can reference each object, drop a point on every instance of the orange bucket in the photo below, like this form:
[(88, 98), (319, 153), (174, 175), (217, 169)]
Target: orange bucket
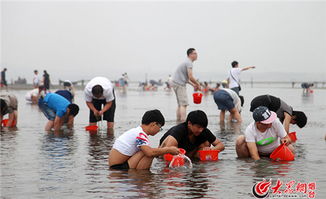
[(293, 136), (282, 152), (197, 97), (5, 122), (208, 155), (168, 157), (91, 128)]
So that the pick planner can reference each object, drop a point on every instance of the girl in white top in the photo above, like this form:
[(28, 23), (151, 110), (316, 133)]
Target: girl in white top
[(132, 151)]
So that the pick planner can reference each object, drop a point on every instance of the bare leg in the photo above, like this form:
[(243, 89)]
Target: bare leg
[(222, 116), (183, 112), (140, 161), (110, 125), (241, 147), (235, 114), (178, 114), (49, 125)]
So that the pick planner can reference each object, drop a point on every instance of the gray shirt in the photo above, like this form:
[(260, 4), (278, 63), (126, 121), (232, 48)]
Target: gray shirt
[(284, 107), (180, 76)]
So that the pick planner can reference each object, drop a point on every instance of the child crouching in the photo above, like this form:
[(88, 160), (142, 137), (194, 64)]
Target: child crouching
[(132, 151)]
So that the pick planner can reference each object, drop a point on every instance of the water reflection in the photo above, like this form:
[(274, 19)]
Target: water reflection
[(137, 183)]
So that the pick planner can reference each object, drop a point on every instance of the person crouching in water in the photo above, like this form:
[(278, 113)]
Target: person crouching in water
[(192, 135), (132, 151), (58, 110), (262, 136), (228, 100)]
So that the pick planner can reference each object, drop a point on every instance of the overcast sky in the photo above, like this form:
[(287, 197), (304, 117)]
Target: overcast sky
[(82, 39)]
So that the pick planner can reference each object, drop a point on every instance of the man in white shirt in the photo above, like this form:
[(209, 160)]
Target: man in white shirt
[(234, 76), (262, 136), (99, 91)]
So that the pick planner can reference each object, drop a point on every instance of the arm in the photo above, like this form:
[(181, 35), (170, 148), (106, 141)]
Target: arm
[(106, 107), (169, 141), (70, 123), (218, 145), (287, 121), (192, 80), (91, 106), (153, 152), (247, 68), (253, 150), (57, 123), (286, 140)]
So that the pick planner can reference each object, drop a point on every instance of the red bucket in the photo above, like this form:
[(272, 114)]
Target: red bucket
[(293, 136), (208, 155), (282, 152), (178, 161), (197, 97), (91, 128), (168, 157), (5, 122)]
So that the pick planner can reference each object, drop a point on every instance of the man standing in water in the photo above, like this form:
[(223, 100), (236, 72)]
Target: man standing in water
[(234, 76), (181, 77), (46, 80), (3, 78), (99, 91)]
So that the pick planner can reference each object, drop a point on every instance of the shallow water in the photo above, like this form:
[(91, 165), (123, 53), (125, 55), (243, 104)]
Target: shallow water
[(36, 164)]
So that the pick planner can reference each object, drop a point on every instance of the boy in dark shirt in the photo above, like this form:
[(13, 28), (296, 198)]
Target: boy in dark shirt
[(192, 135)]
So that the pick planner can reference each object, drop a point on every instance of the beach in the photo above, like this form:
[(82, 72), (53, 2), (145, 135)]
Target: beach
[(38, 164)]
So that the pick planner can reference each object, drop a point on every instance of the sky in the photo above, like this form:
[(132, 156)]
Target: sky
[(285, 40)]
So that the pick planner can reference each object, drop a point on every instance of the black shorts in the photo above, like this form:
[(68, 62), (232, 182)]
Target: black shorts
[(108, 115), (123, 166)]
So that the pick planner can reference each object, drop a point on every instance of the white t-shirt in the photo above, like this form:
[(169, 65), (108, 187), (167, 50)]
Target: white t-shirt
[(36, 80), (262, 139), (235, 78), (107, 89), (30, 94), (130, 141)]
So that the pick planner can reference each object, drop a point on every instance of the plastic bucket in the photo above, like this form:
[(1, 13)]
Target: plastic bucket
[(208, 155), (197, 97), (5, 122), (293, 136), (282, 152), (91, 128), (178, 161), (168, 157)]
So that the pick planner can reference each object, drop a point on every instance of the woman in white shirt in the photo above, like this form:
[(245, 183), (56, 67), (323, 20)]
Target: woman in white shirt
[(262, 136)]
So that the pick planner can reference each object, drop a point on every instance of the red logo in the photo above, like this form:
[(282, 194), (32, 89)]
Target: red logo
[(260, 189)]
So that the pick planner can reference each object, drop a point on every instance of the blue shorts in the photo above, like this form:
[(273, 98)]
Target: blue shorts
[(49, 113), (223, 100)]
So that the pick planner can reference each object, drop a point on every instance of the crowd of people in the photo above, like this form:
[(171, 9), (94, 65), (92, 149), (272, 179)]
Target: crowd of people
[(271, 115)]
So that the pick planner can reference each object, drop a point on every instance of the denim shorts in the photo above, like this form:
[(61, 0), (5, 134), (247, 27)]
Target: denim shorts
[(223, 100), (49, 113)]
